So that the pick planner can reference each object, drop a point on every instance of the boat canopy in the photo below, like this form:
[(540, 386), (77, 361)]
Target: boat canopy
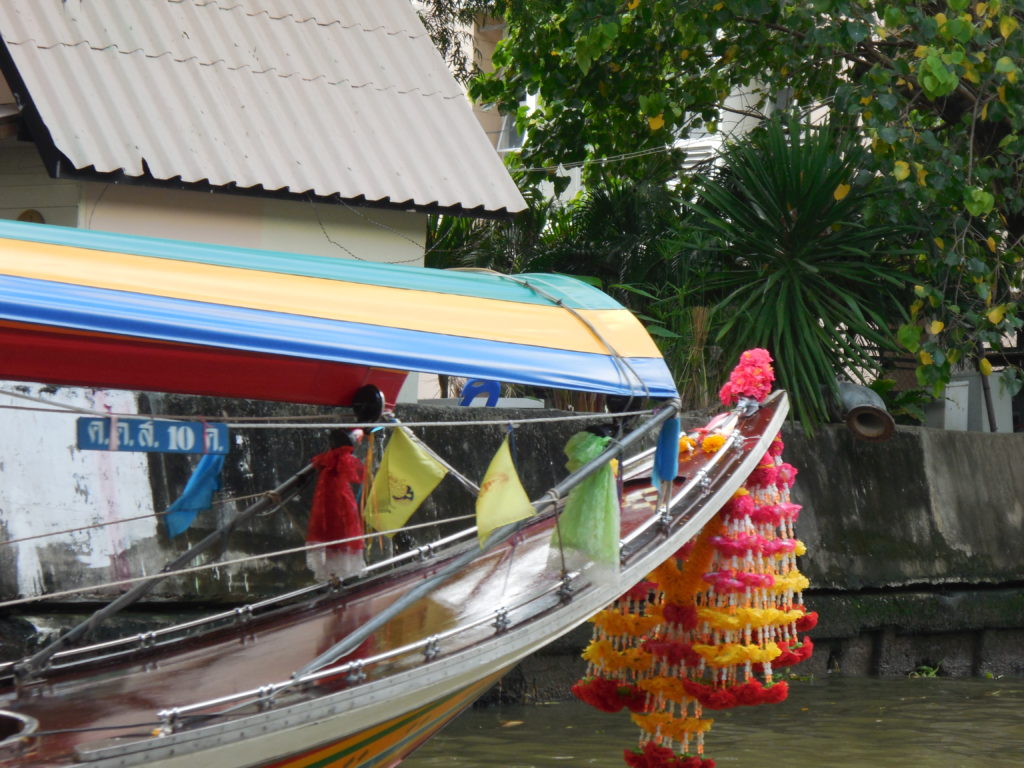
[(109, 310)]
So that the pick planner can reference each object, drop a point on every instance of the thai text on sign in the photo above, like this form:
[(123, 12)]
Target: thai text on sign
[(103, 433)]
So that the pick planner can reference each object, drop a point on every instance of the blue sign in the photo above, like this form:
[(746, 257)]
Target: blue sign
[(150, 435)]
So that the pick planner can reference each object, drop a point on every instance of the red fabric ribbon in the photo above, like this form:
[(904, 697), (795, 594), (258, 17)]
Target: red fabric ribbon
[(335, 514)]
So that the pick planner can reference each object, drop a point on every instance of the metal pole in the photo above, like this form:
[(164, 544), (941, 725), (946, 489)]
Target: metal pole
[(39, 660), (352, 641), (986, 392)]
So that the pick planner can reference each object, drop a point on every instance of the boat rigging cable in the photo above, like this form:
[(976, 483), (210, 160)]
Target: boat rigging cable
[(499, 536), (254, 422), (39, 659), (629, 374), (278, 497)]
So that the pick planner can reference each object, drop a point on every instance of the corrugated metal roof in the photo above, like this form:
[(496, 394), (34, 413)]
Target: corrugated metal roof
[(328, 97)]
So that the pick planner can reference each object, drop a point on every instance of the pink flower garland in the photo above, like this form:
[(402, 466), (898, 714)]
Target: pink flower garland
[(752, 377)]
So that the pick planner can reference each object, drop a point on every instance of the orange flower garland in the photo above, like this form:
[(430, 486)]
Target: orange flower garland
[(727, 610)]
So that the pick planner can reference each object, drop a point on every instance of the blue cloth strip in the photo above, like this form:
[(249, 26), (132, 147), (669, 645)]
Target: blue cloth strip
[(198, 494)]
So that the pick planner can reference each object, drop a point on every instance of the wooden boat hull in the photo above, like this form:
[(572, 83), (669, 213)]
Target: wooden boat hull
[(224, 698)]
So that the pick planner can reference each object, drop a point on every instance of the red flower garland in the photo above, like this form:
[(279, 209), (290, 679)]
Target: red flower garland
[(654, 756), (610, 695), (748, 694)]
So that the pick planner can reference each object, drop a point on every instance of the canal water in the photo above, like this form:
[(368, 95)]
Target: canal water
[(836, 722)]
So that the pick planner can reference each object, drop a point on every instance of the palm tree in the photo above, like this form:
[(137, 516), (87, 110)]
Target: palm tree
[(779, 242)]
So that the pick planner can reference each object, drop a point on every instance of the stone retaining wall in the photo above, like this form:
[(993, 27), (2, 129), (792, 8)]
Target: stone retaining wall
[(915, 557)]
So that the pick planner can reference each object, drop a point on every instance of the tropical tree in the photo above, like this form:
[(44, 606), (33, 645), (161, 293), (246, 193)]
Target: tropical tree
[(933, 89), (448, 22), (784, 253), (610, 234)]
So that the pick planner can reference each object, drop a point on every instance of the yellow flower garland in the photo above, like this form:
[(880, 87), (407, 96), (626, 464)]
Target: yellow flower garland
[(733, 654), (712, 443), (602, 654), (616, 623), (735, 619)]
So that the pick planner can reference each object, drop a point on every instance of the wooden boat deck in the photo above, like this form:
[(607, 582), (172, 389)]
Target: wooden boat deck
[(117, 700)]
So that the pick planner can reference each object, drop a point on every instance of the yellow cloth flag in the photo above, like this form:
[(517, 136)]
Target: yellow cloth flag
[(406, 476), (502, 499)]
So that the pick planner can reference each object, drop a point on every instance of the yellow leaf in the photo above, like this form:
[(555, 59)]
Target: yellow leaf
[(925, 358), (656, 123), (1001, 90), (922, 173), (865, 100), (901, 169), (939, 242), (921, 51), (971, 74), (940, 19), (841, 191), (991, 243), (980, 8), (920, 291), (996, 314), (684, 54), (984, 111), (633, 4), (718, 6), (985, 367), (1007, 25), (915, 308), (936, 327)]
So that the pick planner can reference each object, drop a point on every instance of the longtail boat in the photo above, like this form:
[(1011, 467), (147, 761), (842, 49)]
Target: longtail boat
[(354, 671)]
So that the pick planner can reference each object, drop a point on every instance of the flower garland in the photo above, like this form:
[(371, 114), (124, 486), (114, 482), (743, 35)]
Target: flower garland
[(726, 609)]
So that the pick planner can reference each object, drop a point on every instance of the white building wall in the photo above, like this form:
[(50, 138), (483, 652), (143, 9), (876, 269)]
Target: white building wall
[(48, 487), (366, 234), (46, 484)]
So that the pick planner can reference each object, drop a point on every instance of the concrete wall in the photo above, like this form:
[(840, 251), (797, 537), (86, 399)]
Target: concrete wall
[(926, 507), (914, 545), (25, 186), (915, 557)]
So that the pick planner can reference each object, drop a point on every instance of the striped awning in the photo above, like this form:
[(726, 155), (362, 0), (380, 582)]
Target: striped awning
[(100, 309)]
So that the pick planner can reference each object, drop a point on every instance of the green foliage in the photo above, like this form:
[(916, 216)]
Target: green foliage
[(933, 89), (448, 23), (794, 265), (905, 406), (608, 236), (925, 670)]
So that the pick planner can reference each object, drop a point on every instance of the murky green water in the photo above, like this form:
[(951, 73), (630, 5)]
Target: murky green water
[(830, 723)]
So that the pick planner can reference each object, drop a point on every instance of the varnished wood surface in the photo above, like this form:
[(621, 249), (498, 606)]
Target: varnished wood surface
[(101, 701)]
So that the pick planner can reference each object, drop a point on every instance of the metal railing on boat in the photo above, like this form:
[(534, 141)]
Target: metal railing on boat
[(166, 636), (263, 696), (660, 524)]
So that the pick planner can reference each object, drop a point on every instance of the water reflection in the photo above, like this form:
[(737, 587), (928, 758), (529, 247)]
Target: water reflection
[(830, 723)]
